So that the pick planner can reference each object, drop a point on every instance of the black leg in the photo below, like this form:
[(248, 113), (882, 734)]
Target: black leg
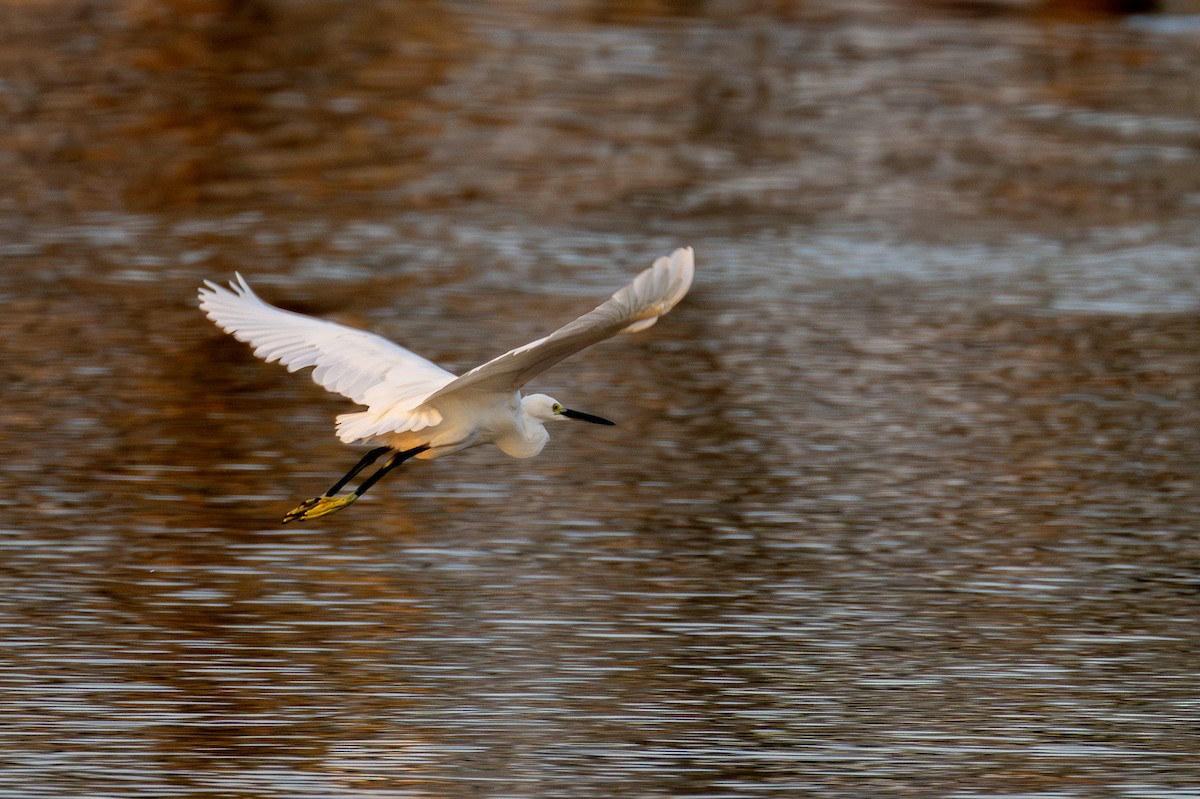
[(392, 463), (366, 461), (323, 506)]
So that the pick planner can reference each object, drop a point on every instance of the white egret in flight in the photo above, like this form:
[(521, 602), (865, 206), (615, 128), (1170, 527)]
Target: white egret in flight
[(416, 409)]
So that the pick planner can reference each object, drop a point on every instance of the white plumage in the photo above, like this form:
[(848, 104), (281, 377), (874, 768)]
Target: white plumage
[(414, 403)]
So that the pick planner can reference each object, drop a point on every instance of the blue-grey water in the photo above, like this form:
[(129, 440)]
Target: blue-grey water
[(902, 500)]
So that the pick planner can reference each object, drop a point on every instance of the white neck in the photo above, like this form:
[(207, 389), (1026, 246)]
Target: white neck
[(528, 437)]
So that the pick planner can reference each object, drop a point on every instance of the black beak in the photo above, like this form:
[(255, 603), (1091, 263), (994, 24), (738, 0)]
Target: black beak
[(585, 417)]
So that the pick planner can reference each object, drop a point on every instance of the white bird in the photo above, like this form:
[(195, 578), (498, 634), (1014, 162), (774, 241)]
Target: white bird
[(416, 409)]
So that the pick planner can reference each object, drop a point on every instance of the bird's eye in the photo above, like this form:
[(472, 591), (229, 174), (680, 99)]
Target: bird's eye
[(557, 408)]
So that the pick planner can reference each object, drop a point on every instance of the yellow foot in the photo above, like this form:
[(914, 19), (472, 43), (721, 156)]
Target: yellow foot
[(317, 507)]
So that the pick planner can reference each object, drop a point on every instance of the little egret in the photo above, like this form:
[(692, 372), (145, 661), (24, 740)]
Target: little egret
[(416, 409)]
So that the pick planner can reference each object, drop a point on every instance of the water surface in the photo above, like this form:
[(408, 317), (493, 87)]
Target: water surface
[(902, 499)]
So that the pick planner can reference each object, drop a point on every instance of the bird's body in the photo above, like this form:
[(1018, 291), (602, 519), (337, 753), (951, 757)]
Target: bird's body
[(416, 409), (469, 420)]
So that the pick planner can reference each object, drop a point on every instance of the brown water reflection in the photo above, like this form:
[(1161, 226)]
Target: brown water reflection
[(902, 499)]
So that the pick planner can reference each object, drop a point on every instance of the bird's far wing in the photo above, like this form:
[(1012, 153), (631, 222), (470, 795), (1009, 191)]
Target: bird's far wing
[(365, 367), (635, 307)]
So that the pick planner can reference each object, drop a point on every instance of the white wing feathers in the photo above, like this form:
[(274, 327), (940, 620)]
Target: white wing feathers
[(400, 388), (635, 307), (365, 367)]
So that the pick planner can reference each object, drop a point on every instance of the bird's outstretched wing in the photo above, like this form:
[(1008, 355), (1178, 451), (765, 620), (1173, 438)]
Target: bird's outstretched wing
[(365, 367), (635, 307)]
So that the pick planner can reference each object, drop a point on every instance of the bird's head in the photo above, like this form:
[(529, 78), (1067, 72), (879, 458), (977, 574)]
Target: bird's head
[(548, 409)]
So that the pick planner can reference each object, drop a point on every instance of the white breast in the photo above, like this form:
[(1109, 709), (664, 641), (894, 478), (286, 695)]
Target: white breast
[(526, 442)]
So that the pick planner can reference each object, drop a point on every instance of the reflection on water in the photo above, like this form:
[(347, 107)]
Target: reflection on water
[(902, 498)]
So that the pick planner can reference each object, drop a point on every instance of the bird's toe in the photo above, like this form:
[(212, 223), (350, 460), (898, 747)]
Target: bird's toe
[(318, 506)]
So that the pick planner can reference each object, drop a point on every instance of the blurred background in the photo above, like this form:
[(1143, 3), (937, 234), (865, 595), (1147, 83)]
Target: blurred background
[(902, 499)]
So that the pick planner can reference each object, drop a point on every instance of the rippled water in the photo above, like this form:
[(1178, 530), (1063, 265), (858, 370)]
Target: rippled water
[(902, 499)]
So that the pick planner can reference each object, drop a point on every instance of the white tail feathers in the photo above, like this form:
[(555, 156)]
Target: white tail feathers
[(368, 424)]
